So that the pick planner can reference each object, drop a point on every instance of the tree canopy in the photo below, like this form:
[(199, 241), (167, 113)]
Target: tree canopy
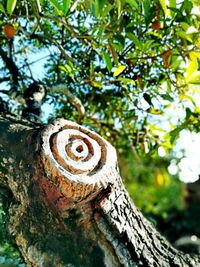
[(129, 69), (131, 64)]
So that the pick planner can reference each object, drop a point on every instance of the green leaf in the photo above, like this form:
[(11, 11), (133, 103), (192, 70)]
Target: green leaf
[(95, 8), (107, 9), (62, 68), (11, 4), (147, 5), (195, 77), (127, 80), (184, 35), (101, 5), (195, 83), (96, 84), (65, 6), (66, 68), (2, 8), (119, 7), (147, 45), (167, 97), (132, 3), (164, 7), (155, 111), (56, 4), (147, 98), (175, 64), (148, 12), (119, 70), (184, 25), (187, 6), (192, 68), (188, 113), (91, 69), (172, 3), (174, 134), (108, 61), (120, 38), (176, 13), (135, 40)]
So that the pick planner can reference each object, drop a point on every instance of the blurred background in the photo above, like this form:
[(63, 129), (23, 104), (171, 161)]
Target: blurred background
[(127, 69)]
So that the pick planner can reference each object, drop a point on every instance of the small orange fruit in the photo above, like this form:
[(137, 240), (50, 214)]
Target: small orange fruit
[(155, 25), (9, 30)]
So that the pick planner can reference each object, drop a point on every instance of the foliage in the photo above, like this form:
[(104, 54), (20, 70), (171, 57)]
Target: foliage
[(129, 71), (152, 188), (127, 67)]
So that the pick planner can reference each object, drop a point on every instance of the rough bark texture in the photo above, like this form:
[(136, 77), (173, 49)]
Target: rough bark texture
[(69, 206)]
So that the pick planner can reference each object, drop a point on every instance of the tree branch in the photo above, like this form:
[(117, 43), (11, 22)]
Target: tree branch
[(67, 189), (75, 101), (11, 66)]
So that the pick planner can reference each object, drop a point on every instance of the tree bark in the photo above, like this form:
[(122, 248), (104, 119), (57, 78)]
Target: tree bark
[(69, 206)]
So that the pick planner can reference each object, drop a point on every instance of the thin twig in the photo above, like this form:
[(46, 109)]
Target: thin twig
[(33, 62), (67, 25), (39, 18), (75, 101)]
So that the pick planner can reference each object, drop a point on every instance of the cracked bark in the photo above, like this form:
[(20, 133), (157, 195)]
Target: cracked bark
[(69, 206)]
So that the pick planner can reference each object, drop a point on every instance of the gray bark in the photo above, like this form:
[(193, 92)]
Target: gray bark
[(69, 206)]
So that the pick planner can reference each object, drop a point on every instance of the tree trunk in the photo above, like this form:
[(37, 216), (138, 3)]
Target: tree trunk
[(69, 206)]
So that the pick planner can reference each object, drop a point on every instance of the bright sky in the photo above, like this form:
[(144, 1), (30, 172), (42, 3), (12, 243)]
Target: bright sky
[(189, 165)]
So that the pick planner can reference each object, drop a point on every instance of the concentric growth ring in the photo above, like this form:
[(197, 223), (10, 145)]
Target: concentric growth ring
[(76, 152), (79, 161)]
